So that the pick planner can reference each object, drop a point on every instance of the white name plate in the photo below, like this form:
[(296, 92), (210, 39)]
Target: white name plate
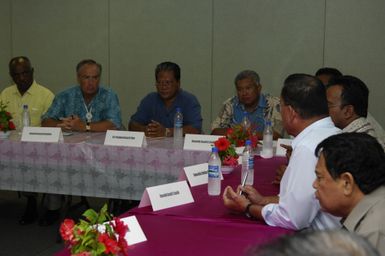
[(42, 134), (200, 142), (134, 233), (125, 138), (167, 196), (280, 151), (197, 174)]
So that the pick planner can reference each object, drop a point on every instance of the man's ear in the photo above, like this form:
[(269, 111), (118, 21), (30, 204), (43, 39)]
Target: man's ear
[(348, 111), (347, 183)]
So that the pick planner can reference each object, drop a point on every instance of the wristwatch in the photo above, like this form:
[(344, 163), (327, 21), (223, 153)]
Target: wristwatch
[(247, 211), (88, 127)]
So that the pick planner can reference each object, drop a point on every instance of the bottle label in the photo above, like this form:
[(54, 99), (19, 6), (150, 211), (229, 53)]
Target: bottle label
[(251, 163), (178, 124), (213, 171)]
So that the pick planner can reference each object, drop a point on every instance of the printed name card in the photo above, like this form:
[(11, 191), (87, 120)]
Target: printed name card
[(199, 142), (42, 134), (197, 174), (280, 151), (125, 138), (134, 233), (167, 196)]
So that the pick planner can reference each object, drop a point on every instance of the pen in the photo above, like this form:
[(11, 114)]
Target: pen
[(244, 182)]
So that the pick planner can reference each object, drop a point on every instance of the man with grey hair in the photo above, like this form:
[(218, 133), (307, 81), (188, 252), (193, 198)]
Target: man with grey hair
[(251, 102)]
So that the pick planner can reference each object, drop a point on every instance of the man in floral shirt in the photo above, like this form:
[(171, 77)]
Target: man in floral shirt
[(249, 99)]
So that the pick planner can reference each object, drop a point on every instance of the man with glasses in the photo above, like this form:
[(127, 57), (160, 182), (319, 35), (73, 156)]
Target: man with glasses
[(156, 111), (348, 105), (26, 91), (249, 99), (87, 107)]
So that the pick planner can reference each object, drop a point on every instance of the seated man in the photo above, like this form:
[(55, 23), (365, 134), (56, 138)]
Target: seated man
[(305, 115), (350, 183), (156, 111), (86, 107), (26, 91), (348, 105), (259, 107), (327, 74)]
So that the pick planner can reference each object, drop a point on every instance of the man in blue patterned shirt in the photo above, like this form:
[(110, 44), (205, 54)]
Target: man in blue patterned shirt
[(87, 107), (249, 99)]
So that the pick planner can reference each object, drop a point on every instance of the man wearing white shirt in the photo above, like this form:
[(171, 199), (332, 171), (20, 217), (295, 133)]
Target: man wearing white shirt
[(304, 113)]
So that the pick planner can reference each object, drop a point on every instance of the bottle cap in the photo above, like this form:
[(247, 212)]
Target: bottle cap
[(25, 106), (268, 122), (214, 150), (248, 142), (178, 109)]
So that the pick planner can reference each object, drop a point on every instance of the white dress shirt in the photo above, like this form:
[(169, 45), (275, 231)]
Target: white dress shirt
[(298, 208)]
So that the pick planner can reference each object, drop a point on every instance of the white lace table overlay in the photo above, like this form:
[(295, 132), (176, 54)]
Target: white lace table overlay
[(88, 168)]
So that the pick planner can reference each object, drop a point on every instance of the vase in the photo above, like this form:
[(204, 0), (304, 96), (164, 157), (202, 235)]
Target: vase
[(4, 135), (226, 169)]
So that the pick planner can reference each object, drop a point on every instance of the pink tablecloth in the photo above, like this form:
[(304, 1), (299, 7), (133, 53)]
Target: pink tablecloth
[(206, 227)]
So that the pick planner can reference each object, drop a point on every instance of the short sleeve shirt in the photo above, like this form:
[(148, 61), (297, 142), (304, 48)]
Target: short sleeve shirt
[(152, 107), (104, 106), (232, 113), (37, 97)]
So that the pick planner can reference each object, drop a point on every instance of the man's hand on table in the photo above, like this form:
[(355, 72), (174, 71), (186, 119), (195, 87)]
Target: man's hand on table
[(234, 201), (155, 129)]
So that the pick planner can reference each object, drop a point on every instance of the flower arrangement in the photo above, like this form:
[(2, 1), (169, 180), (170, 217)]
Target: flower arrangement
[(87, 239), (226, 152), (237, 135), (5, 119)]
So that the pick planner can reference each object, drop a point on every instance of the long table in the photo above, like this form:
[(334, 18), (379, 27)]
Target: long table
[(206, 227), (83, 166)]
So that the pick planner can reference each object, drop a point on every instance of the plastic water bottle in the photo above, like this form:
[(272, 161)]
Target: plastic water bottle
[(214, 173), (248, 163), (267, 148), (178, 128), (25, 118), (245, 121)]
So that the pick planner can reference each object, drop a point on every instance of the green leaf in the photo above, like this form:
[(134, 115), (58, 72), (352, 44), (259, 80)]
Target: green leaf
[(91, 215)]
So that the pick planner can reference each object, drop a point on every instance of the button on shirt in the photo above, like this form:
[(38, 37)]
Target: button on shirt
[(104, 106), (298, 208), (152, 107), (37, 97)]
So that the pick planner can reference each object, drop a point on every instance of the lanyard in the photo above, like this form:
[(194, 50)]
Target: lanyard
[(89, 114)]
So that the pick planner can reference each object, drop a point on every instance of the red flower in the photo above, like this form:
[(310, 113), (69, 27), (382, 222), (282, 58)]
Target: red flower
[(230, 160), (240, 143), (120, 228), (110, 244), (229, 131), (222, 144), (123, 246), (8, 114), (11, 125), (67, 230)]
